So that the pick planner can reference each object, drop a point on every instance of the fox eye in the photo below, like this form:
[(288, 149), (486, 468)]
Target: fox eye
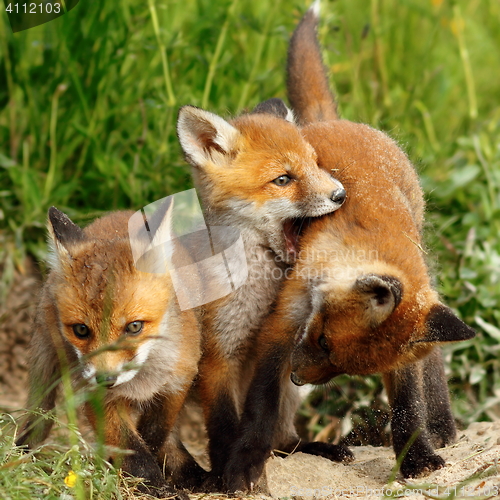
[(323, 343), (282, 180), (134, 328), (81, 331)]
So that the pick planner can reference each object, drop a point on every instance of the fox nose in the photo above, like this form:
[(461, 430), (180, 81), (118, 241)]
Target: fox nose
[(296, 380), (106, 379), (338, 196)]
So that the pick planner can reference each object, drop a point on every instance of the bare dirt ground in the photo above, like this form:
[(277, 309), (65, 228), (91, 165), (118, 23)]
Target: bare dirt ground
[(472, 470), (476, 454), (16, 315)]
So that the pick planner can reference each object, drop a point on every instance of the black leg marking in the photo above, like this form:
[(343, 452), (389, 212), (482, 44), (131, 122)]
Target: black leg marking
[(143, 464), (169, 451), (222, 429), (152, 424), (259, 421), (440, 421), (409, 418)]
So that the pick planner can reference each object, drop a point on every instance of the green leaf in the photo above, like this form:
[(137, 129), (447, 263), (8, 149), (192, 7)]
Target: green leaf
[(6, 162), (490, 329), (476, 374)]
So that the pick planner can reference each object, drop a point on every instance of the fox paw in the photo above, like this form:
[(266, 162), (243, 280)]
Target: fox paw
[(442, 435), (161, 489), (191, 477), (167, 491), (414, 466), (334, 452), (213, 484), (244, 470), (242, 481)]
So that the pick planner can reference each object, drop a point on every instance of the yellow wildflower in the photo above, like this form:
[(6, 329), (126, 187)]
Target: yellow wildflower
[(70, 479)]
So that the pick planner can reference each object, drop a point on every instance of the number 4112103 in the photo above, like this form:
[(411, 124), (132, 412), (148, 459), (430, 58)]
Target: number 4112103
[(34, 8)]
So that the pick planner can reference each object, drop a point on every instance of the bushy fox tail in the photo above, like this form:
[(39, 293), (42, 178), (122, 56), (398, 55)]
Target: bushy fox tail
[(307, 83)]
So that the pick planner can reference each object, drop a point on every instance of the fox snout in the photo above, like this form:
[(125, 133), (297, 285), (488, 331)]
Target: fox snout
[(110, 378), (106, 379), (296, 379), (324, 194), (106, 371)]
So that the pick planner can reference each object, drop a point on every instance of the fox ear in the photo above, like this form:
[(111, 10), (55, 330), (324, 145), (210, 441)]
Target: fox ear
[(443, 326), (382, 294), (62, 232), (275, 107), (205, 137)]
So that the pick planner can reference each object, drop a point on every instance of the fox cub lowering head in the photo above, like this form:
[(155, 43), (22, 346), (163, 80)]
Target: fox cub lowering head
[(371, 304), (368, 302), (257, 172)]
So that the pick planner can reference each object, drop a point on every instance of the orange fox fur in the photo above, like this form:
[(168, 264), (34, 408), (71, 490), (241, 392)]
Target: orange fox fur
[(119, 328), (257, 174), (360, 298)]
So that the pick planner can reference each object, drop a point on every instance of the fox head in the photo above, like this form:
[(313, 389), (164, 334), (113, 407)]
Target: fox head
[(370, 323), (122, 324), (257, 172)]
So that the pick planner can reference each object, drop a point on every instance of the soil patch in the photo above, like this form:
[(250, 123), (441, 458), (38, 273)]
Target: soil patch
[(16, 320), (471, 470)]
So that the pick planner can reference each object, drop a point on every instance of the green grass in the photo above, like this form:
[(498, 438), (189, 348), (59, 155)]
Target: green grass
[(46, 471), (88, 105)]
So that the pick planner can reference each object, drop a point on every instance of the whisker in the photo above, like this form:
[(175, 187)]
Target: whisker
[(337, 171), (302, 223)]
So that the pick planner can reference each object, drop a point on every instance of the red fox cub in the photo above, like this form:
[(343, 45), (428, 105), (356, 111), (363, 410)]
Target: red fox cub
[(117, 328), (258, 175), (360, 298)]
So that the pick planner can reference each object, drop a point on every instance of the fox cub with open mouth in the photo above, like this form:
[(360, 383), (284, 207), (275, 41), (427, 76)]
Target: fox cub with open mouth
[(257, 174), (360, 298), (119, 330)]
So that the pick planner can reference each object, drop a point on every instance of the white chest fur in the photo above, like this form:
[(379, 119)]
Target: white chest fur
[(240, 314)]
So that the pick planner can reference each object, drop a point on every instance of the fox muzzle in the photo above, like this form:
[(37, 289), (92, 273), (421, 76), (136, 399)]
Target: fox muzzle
[(106, 379)]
